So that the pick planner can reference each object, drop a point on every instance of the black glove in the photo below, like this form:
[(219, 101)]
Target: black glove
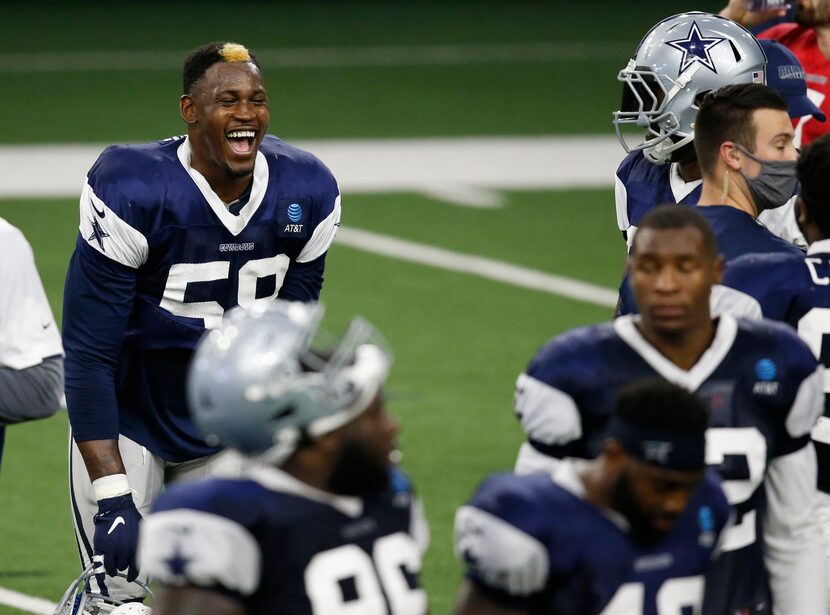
[(116, 535)]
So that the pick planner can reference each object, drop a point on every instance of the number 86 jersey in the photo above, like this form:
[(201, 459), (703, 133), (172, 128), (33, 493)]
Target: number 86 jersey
[(159, 258), (277, 545), (763, 387)]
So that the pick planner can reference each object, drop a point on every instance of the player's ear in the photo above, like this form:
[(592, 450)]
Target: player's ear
[(187, 109), (732, 156)]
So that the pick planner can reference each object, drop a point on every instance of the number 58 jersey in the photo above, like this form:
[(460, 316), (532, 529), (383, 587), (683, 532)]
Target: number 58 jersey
[(763, 388), (159, 258), (277, 545)]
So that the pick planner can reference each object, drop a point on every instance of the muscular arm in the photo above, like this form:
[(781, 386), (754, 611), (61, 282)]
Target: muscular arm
[(98, 298), (101, 458), (194, 601)]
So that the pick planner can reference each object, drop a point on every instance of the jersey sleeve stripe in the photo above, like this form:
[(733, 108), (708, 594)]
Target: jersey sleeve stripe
[(808, 405), (499, 554), (323, 235), (190, 547), (108, 234), (549, 416)]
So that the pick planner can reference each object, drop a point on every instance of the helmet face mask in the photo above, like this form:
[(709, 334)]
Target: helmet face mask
[(269, 379), (79, 599), (676, 63)]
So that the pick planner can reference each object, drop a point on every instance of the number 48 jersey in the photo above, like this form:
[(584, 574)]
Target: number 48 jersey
[(763, 388), (534, 544), (159, 258), (277, 545)]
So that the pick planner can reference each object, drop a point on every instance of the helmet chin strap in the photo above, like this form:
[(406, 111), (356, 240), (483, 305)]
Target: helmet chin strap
[(660, 153)]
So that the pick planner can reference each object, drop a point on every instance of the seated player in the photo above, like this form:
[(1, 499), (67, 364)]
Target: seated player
[(320, 520), (634, 528), (763, 386)]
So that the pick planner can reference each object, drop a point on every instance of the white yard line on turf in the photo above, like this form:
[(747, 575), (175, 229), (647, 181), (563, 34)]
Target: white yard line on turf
[(476, 265), (25, 603), (434, 166), (326, 57)]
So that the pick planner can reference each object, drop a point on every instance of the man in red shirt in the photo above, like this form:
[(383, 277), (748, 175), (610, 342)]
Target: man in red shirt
[(809, 39)]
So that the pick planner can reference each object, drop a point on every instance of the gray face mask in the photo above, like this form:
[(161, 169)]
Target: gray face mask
[(774, 185)]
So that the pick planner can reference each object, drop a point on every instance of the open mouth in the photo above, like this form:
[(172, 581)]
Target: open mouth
[(241, 141)]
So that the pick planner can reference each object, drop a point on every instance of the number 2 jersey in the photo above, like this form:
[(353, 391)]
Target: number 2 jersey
[(277, 545), (763, 388), (795, 291), (534, 544), (159, 258)]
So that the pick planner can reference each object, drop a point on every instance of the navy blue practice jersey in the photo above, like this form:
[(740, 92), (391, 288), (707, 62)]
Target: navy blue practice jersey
[(532, 543), (279, 546), (736, 233), (763, 387), (640, 186), (159, 258), (795, 290)]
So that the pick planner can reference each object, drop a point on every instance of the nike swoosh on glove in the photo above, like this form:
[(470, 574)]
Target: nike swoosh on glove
[(116, 535)]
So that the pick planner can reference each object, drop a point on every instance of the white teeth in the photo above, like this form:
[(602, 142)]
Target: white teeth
[(241, 134)]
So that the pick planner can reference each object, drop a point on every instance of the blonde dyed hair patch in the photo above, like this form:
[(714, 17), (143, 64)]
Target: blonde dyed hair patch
[(234, 52)]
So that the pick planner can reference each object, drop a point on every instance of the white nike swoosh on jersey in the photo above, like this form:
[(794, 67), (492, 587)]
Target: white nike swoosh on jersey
[(118, 521)]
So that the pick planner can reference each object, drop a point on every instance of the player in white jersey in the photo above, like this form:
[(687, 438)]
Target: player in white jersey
[(31, 354)]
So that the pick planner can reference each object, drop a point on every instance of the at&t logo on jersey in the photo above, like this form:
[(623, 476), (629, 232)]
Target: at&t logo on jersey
[(766, 373), (292, 218), (295, 214)]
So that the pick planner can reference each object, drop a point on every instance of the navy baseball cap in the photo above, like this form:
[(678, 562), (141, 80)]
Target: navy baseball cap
[(786, 76)]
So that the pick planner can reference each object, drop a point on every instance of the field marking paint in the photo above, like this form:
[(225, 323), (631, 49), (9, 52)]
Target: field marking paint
[(489, 268), (27, 604), (325, 57), (467, 171)]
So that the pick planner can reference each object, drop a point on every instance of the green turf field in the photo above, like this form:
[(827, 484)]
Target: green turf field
[(459, 340)]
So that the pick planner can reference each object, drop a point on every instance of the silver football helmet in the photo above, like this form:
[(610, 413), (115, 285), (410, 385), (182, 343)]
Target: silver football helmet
[(79, 599), (676, 63), (269, 378)]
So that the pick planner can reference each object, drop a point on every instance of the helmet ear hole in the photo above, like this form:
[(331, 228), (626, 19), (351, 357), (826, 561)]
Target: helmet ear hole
[(700, 96)]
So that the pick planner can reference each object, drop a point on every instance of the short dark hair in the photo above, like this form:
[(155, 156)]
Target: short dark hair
[(726, 115), (665, 217), (201, 59), (660, 405), (813, 171)]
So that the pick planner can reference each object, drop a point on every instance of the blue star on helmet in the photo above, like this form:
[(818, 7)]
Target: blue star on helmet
[(695, 48), (177, 563), (98, 234)]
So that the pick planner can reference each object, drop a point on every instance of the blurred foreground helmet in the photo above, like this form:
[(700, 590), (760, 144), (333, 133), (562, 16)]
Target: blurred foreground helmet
[(268, 378), (678, 61), (80, 600)]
